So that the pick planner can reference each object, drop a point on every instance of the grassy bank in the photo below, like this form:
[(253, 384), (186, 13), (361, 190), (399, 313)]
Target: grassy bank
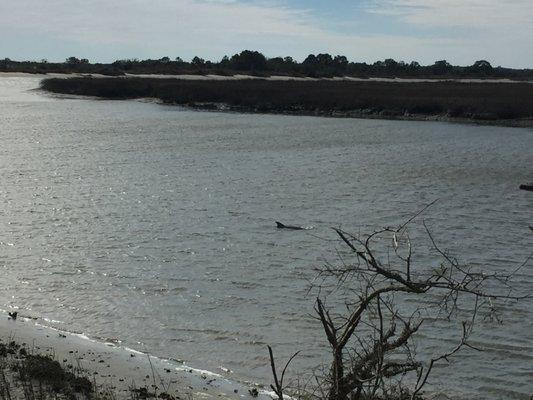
[(505, 103)]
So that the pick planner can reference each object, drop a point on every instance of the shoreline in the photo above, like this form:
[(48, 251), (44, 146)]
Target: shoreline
[(119, 369), (117, 372), (354, 114)]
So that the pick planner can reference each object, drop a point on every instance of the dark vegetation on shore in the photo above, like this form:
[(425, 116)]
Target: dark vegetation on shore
[(255, 63), (39, 377), (472, 101), (28, 376)]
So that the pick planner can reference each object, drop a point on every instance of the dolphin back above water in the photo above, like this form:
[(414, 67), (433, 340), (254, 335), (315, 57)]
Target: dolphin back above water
[(279, 225)]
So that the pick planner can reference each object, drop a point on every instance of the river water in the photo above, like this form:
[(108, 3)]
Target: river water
[(155, 225)]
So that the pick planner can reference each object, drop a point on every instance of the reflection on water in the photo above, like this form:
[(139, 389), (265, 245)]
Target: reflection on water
[(156, 225)]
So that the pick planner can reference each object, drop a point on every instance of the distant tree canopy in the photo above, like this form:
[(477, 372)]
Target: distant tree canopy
[(481, 67), (248, 61), (197, 61), (441, 67), (74, 61), (255, 63)]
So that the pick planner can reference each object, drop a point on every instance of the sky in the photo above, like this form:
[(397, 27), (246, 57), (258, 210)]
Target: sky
[(460, 31)]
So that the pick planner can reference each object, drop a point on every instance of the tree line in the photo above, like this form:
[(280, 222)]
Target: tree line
[(256, 63)]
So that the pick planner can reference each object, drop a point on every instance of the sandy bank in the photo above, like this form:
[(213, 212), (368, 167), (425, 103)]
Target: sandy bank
[(117, 368), (51, 75), (212, 77)]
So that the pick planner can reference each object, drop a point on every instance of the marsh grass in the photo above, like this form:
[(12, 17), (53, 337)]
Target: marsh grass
[(473, 101)]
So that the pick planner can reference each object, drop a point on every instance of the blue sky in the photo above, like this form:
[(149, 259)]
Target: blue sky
[(460, 31)]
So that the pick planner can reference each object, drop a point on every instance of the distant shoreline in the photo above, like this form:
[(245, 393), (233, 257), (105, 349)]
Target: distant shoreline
[(486, 103)]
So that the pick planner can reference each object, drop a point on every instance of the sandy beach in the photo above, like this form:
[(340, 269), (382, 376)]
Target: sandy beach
[(118, 369)]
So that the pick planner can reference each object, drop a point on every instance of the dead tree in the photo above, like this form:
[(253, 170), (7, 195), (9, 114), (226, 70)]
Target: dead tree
[(371, 337), (278, 386)]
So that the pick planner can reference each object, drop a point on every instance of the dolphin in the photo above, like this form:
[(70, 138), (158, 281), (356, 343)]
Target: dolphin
[(279, 225)]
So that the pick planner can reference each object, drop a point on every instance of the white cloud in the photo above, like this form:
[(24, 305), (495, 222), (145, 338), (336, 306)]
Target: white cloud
[(135, 20), (212, 28), (208, 28), (485, 14)]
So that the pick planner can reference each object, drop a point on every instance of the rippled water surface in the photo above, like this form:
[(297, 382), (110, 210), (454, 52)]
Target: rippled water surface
[(155, 225)]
